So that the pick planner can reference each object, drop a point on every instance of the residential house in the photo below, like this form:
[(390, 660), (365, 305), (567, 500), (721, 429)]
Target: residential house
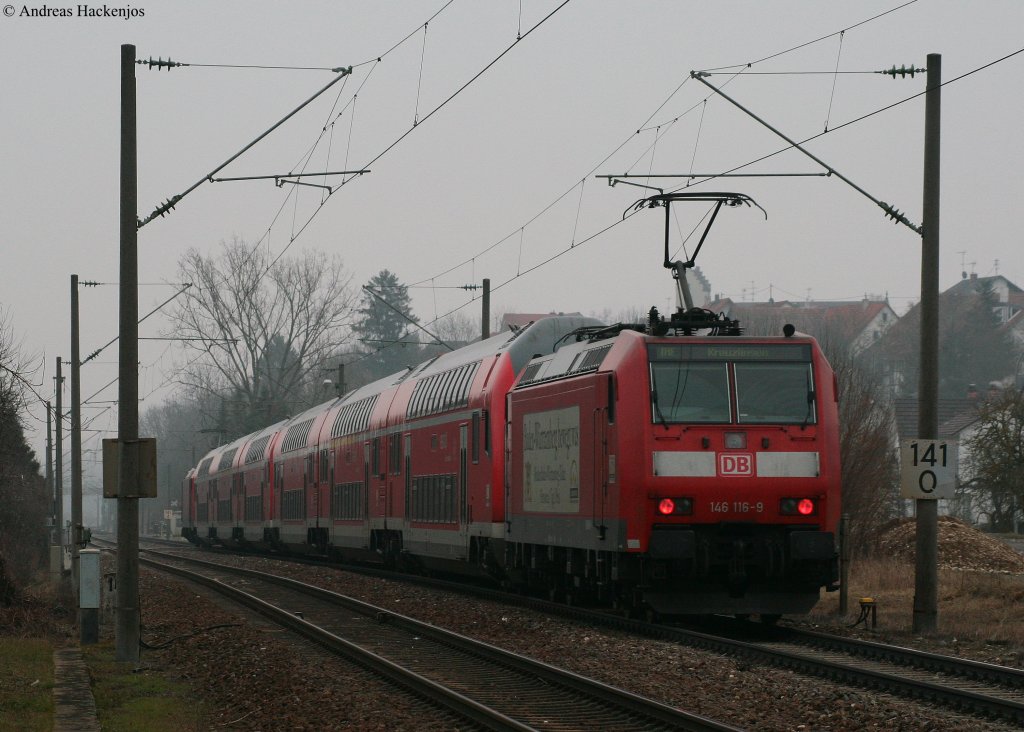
[(856, 324)]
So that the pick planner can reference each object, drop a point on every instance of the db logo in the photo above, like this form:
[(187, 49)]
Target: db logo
[(735, 464)]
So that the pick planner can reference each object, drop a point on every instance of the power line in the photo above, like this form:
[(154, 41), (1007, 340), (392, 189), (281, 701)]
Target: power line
[(168, 206), (430, 114), (111, 342), (816, 40), (642, 128), (857, 119)]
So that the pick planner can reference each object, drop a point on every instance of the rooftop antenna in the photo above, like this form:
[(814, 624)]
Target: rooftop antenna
[(963, 264)]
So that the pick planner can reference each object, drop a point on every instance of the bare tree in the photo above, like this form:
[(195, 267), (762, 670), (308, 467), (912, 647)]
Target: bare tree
[(994, 462), (261, 328), (456, 328), (866, 425), (867, 448)]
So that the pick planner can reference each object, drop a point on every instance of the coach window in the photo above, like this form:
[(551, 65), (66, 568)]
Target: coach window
[(689, 391), (775, 392), (395, 453), (447, 389)]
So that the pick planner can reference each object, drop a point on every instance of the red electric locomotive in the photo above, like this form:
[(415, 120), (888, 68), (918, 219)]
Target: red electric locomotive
[(674, 466), (684, 474)]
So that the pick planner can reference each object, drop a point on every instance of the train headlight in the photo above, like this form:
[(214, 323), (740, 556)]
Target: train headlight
[(798, 507), (736, 440), (675, 506)]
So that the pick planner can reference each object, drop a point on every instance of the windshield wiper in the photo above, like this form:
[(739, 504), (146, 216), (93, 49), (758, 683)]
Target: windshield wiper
[(810, 409), (657, 409)]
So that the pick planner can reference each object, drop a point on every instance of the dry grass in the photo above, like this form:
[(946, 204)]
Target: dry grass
[(977, 606)]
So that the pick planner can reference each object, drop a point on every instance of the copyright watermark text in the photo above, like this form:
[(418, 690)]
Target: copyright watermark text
[(73, 11)]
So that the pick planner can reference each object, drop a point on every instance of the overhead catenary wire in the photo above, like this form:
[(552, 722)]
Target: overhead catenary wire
[(835, 79), (856, 120), (571, 189), (816, 40), (642, 128), (419, 80), (446, 5), (114, 340), (295, 234), (169, 205), (520, 272), (431, 113)]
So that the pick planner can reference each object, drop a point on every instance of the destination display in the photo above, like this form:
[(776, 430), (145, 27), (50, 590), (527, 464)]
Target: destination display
[(730, 352)]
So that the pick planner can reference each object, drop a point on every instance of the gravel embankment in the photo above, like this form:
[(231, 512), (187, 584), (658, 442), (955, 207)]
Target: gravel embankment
[(255, 678)]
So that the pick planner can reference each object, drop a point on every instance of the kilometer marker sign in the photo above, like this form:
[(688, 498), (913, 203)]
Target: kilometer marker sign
[(928, 468)]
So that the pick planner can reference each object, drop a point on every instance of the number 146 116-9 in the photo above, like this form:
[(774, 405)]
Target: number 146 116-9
[(737, 507)]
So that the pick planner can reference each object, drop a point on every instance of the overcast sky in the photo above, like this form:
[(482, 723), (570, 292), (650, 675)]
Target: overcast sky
[(472, 182)]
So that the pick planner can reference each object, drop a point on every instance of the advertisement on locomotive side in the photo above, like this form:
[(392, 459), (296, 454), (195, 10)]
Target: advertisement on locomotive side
[(551, 459)]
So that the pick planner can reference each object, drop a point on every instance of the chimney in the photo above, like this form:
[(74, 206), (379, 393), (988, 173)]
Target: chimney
[(972, 392)]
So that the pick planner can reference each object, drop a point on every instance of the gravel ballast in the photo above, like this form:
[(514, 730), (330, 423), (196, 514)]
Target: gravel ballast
[(254, 677)]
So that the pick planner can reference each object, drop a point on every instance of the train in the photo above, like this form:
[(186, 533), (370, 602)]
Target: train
[(670, 467)]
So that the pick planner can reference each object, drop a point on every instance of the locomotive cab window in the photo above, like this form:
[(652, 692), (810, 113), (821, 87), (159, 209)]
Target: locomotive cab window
[(775, 393), (684, 391), (694, 382)]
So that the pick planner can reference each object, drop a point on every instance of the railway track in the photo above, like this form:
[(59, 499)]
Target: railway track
[(978, 688), (484, 684), (983, 689)]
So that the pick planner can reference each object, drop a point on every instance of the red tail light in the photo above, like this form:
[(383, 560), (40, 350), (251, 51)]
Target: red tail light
[(675, 506), (798, 506)]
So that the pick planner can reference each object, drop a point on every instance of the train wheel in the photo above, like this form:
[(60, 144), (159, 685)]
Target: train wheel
[(770, 618)]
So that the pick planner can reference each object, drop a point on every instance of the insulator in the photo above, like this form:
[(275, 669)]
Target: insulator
[(903, 71), (159, 63)]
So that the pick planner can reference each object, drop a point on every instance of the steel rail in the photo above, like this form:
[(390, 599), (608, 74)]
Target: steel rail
[(962, 699), (632, 703)]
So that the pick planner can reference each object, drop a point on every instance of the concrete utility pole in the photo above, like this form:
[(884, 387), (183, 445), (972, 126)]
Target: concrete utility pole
[(76, 437), (58, 474), (49, 471), (485, 330), (127, 614), (926, 576)]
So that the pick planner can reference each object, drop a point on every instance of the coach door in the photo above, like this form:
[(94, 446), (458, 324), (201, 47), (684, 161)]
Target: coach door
[(323, 487), (465, 515), (238, 499), (407, 467), (599, 463), (366, 480), (278, 493)]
